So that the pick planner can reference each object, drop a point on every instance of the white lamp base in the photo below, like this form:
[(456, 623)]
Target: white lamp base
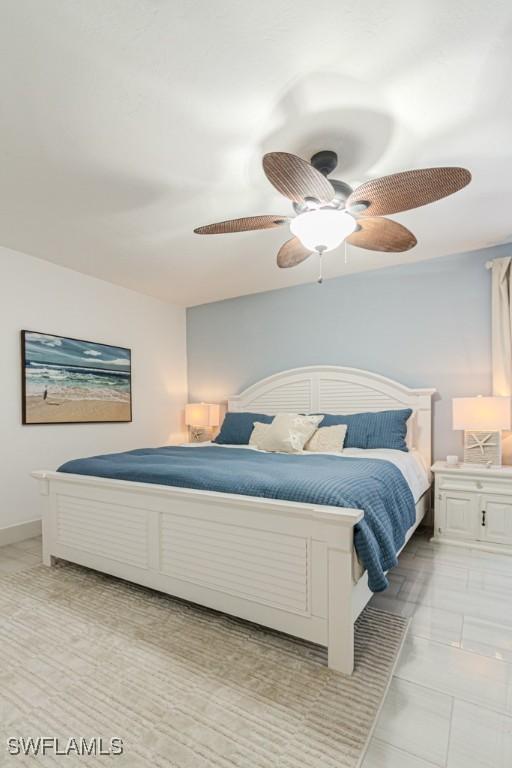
[(199, 434), (482, 447)]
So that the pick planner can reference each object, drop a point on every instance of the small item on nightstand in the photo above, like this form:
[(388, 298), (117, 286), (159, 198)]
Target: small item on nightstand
[(452, 461), (200, 419)]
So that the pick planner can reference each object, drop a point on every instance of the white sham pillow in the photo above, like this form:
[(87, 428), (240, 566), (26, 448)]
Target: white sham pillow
[(326, 439), (288, 432), (257, 433)]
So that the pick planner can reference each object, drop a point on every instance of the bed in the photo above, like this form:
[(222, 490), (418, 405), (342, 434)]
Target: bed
[(284, 564)]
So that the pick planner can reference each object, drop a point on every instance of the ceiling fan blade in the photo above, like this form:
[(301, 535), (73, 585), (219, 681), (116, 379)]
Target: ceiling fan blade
[(296, 179), (292, 253), (378, 234), (406, 190), (242, 225)]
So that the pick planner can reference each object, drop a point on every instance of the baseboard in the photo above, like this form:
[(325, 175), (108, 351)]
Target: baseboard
[(19, 532)]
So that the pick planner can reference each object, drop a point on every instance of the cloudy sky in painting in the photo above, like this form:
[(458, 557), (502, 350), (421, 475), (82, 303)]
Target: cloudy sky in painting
[(57, 350)]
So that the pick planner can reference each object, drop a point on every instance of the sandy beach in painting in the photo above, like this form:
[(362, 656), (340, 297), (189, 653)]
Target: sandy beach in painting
[(41, 412)]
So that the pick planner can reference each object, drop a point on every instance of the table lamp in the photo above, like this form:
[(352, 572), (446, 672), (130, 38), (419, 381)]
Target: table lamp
[(482, 419), (201, 418)]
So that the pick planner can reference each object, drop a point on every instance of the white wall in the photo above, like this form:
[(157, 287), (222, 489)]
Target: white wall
[(40, 296)]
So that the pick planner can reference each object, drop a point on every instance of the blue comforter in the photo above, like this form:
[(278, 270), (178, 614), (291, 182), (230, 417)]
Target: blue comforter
[(373, 485)]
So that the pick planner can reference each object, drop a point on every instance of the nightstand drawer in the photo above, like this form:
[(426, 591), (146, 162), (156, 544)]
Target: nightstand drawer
[(458, 483), (455, 482)]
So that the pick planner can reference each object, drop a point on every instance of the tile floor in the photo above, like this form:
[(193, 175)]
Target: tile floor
[(450, 701)]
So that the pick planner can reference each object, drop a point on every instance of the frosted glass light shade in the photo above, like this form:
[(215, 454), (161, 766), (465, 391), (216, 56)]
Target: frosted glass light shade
[(323, 229), (480, 413), (202, 415)]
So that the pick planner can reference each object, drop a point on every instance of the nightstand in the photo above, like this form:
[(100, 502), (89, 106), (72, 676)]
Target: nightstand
[(473, 506)]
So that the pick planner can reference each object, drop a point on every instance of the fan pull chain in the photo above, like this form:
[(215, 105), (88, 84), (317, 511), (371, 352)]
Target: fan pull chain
[(320, 265)]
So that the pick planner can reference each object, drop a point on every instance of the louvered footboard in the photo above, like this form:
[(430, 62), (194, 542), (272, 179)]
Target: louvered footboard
[(276, 563)]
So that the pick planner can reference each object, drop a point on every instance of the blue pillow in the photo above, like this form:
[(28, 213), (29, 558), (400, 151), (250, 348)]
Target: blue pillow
[(237, 427), (385, 429)]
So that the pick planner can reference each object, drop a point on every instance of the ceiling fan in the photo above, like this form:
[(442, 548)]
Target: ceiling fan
[(329, 211)]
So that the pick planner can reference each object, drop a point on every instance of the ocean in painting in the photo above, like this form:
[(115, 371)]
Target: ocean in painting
[(74, 383), (71, 380)]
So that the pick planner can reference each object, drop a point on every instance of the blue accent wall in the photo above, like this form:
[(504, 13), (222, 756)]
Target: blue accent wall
[(424, 324)]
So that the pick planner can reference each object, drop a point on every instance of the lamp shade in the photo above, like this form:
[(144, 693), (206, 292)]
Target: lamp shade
[(202, 415), (478, 413)]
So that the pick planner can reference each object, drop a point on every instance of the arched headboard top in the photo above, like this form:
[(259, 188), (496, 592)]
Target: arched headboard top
[(336, 389)]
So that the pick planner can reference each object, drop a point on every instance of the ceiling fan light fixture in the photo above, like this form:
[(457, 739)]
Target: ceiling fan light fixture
[(327, 209), (323, 229)]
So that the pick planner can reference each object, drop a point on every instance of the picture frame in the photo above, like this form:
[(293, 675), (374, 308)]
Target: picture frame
[(65, 380)]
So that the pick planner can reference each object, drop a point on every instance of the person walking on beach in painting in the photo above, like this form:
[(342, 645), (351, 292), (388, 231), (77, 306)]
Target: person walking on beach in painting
[(45, 397)]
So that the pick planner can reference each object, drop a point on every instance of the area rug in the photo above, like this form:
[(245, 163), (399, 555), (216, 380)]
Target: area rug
[(84, 655)]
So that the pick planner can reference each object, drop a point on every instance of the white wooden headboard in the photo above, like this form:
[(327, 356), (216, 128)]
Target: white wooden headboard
[(334, 389)]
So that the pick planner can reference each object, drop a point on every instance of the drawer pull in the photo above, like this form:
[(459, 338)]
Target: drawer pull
[(479, 484), (483, 518)]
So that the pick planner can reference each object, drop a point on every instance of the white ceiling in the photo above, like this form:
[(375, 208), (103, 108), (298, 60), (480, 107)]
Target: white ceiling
[(125, 124)]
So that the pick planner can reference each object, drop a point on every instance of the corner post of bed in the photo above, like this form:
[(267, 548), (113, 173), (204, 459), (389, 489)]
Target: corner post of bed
[(43, 483), (340, 613)]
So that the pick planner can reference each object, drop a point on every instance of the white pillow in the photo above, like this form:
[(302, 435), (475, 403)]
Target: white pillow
[(257, 433), (326, 439), (288, 432)]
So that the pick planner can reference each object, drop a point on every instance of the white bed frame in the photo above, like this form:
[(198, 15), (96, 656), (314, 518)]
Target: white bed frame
[(280, 564)]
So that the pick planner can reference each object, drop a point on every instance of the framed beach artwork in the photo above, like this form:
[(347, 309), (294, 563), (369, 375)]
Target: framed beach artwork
[(70, 381)]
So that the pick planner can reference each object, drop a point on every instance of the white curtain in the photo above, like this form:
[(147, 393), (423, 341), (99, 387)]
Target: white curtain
[(502, 338)]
